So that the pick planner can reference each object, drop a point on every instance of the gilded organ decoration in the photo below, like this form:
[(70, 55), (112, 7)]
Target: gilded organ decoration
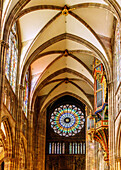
[(97, 122)]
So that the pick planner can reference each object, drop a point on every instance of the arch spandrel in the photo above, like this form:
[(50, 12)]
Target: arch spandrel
[(66, 88)]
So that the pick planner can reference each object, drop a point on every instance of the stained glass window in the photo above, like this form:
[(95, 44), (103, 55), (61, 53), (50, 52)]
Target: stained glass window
[(12, 58), (53, 148), (8, 57), (67, 120), (83, 148), (78, 148), (63, 148), (70, 148), (58, 148), (26, 92), (49, 148), (75, 148), (118, 54)]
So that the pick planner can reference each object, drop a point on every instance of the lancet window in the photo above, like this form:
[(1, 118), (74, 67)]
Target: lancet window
[(118, 54), (12, 57), (26, 93)]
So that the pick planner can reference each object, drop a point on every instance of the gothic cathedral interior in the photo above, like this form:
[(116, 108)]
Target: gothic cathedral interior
[(60, 84)]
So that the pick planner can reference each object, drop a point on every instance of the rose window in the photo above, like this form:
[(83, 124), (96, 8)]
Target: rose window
[(67, 120)]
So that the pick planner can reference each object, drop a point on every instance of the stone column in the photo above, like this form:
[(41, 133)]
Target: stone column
[(111, 125), (8, 163), (87, 140), (29, 140), (18, 127), (3, 49), (41, 142)]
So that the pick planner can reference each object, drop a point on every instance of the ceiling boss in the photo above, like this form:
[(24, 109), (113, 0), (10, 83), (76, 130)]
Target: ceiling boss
[(66, 10)]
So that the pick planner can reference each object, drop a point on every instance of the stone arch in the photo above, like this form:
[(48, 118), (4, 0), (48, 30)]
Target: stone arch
[(63, 94), (39, 134), (2, 147), (50, 77), (114, 7), (6, 143), (8, 135), (75, 39), (118, 141), (9, 22), (42, 113), (22, 156)]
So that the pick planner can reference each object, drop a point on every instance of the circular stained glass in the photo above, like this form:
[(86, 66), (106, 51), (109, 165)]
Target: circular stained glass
[(67, 120)]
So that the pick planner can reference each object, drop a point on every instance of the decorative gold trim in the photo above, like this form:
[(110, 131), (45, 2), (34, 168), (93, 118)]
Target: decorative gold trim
[(66, 10), (105, 86), (99, 77), (97, 62), (66, 53)]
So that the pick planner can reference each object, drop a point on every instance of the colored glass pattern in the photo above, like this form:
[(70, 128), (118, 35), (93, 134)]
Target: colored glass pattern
[(8, 57), (63, 148), (73, 149), (118, 54), (67, 120), (76, 148), (83, 148), (49, 148), (60, 148), (26, 93), (98, 68), (70, 148), (56, 148), (53, 148), (12, 58)]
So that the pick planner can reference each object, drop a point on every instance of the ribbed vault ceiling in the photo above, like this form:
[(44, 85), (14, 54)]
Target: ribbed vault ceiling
[(60, 49)]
